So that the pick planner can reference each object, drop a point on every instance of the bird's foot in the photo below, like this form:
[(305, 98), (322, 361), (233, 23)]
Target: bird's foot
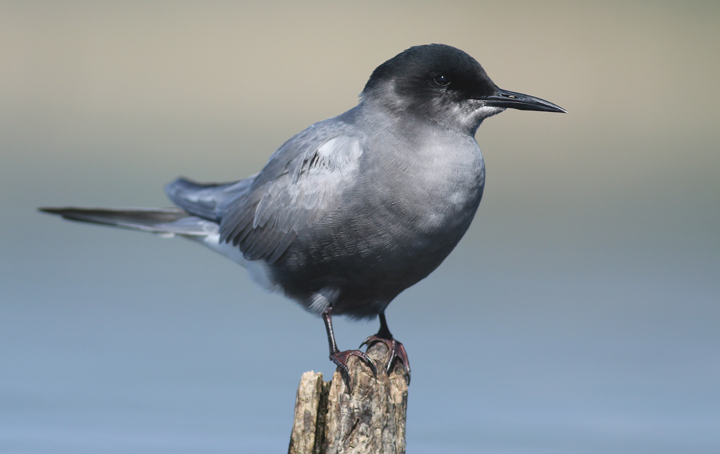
[(397, 352), (341, 358)]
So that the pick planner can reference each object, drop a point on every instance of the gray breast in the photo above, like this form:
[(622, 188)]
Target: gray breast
[(412, 202)]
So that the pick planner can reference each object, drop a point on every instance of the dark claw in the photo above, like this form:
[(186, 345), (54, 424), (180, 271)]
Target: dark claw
[(397, 352), (341, 358)]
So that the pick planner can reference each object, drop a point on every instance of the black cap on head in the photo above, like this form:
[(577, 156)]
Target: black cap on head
[(425, 74), (433, 67)]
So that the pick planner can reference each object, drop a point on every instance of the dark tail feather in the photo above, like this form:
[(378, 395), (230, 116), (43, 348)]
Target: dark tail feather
[(156, 220)]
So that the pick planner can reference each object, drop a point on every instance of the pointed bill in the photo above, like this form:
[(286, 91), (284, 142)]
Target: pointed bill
[(512, 100)]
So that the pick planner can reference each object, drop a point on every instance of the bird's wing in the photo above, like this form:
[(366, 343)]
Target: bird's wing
[(302, 181), (207, 200)]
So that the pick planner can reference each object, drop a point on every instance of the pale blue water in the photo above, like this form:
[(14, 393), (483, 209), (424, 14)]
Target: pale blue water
[(131, 343)]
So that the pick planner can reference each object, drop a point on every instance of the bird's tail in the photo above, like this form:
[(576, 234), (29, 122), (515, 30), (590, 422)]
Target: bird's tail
[(164, 221)]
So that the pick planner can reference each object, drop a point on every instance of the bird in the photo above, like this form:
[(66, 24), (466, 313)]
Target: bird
[(355, 209)]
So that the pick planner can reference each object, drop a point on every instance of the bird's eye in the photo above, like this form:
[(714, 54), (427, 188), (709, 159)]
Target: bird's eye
[(442, 80)]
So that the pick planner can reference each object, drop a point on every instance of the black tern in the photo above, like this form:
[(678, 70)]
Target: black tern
[(357, 208)]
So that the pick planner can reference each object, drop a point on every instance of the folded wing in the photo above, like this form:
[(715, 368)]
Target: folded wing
[(303, 181)]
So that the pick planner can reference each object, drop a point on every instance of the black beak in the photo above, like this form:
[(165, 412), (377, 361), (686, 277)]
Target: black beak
[(512, 100)]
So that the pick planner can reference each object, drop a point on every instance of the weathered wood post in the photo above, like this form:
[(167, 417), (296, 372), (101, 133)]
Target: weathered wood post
[(368, 419)]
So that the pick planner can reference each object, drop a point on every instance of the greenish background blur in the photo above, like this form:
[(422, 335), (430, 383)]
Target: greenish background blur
[(580, 314)]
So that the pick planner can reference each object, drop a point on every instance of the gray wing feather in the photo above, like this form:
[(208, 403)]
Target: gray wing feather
[(207, 200), (301, 182)]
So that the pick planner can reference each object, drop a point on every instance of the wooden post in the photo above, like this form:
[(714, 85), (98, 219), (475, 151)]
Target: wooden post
[(369, 419)]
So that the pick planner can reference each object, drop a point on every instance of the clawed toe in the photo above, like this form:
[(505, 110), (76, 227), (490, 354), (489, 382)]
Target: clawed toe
[(341, 358), (397, 352)]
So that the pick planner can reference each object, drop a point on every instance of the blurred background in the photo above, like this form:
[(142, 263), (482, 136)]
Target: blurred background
[(580, 314)]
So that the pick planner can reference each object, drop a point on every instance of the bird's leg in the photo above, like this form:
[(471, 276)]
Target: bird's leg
[(396, 348), (338, 357)]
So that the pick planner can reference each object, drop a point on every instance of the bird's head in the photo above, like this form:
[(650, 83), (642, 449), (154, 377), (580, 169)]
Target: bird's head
[(443, 85)]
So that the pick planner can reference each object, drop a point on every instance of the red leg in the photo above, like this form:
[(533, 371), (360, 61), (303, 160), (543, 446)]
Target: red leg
[(338, 357)]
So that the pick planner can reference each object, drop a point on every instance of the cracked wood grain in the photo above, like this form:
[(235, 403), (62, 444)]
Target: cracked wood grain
[(368, 418)]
